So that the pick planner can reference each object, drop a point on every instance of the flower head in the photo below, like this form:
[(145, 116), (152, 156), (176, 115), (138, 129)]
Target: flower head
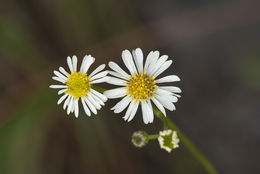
[(77, 85), (140, 138), (141, 86), (168, 140)]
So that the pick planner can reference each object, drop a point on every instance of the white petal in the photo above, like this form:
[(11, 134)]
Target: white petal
[(116, 74), (166, 103), (85, 107), (128, 61), (144, 112), (70, 105), (170, 78), (97, 70), (115, 93), (153, 61), (74, 63), (99, 75), (148, 60), (99, 95), (129, 110), (171, 98), (120, 106), (101, 80), (76, 106), (171, 89), (159, 106), (138, 57), (89, 60), (66, 102), (60, 75), (160, 91), (61, 69), (62, 91), (83, 63), (166, 94), (150, 109), (58, 86), (159, 63), (92, 100), (165, 66), (177, 95), (90, 105), (70, 64), (62, 98), (134, 110), (117, 69), (116, 81), (163, 58), (59, 79), (97, 99)]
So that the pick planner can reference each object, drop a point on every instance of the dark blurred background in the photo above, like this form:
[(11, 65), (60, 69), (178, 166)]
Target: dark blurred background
[(215, 46)]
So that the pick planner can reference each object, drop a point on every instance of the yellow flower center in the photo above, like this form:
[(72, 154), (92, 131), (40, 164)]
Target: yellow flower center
[(141, 86), (78, 84)]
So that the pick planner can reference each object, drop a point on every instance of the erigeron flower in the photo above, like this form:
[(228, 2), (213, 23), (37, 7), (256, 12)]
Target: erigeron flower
[(76, 86), (168, 140), (141, 86), (140, 139)]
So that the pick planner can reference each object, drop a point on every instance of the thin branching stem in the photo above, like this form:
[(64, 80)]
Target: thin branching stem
[(153, 136)]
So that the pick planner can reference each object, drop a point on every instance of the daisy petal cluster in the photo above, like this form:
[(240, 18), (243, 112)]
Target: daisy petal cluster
[(141, 86), (76, 86), (168, 140)]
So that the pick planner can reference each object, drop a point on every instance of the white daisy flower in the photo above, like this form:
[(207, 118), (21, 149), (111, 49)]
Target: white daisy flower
[(168, 140), (76, 86), (141, 86)]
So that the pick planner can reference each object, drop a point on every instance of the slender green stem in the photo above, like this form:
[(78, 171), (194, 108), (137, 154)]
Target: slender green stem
[(192, 148), (154, 136), (165, 124)]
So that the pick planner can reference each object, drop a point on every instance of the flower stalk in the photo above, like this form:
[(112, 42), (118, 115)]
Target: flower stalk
[(152, 137)]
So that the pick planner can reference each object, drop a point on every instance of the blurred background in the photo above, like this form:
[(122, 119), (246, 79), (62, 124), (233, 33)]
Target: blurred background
[(215, 49)]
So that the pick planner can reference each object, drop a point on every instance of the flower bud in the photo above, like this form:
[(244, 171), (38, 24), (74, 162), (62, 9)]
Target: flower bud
[(140, 139), (168, 140)]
